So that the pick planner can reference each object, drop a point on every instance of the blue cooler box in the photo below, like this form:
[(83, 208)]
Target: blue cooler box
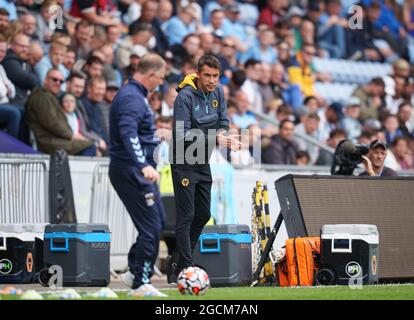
[(224, 251), (81, 250)]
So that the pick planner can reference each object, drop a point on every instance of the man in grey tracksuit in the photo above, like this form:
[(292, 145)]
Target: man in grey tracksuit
[(200, 122)]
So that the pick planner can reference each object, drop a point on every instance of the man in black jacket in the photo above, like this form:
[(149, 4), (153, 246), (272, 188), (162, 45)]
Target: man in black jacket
[(18, 70), (281, 149), (200, 121)]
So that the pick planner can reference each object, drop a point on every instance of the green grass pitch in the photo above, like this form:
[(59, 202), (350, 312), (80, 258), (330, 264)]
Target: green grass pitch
[(379, 292)]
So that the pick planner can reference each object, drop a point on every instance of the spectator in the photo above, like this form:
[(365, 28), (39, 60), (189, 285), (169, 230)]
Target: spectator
[(94, 11), (208, 43), (54, 59), (400, 68), (4, 22), (263, 49), (43, 32), (139, 39), (303, 158), (149, 12), (251, 84), (213, 5), (154, 100), (81, 40), (29, 24), (95, 95), (188, 50), (10, 7), (290, 93), (243, 118), (274, 12), (281, 148), (264, 82), (311, 105), (106, 54), (70, 59), (167, 104), (76, 86), (284, 54), (350, 122), (404, 115), (331, 30), (164, 127), (305, 34), (47, 120), (391, 126), (181, 25), (228, 59), (403, 155), (10, 115), (35, 53), (113, 36), (111, 91), (216, 23), (68, 104), (301, 71), (135, 56), (330, 120), (374, 161), (18, 70), (370, 95), (309, 127), (392, 102), (165, 13), (294, 17), (408, 20), (326, 158), (93, 67), (233, 27)]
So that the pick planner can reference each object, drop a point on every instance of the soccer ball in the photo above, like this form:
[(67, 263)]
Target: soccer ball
[(193, 281)]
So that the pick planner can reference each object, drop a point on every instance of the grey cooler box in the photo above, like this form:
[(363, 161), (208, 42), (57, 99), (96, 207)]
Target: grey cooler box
[(81, 250), (349, 254), (224, 251)]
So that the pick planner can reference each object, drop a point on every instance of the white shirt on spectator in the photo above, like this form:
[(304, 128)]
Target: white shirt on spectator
[(7, 89), (252, 89)]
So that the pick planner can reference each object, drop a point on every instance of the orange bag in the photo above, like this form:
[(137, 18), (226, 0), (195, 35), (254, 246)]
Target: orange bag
[(301, 264)]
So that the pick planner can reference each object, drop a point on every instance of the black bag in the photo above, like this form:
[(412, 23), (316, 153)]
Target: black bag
[(61, 203)]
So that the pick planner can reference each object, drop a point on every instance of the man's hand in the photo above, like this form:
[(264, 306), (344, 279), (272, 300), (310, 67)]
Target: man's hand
[(230, 141), (150, 174), (102, 145), (78, 136), (368, 166)]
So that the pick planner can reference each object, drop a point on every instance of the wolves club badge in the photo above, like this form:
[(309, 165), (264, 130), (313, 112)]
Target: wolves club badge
[(215, 103), (185, 182)]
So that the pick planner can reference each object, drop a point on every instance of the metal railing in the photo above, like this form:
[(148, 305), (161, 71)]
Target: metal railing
[(305, 137), (23, 192), (106, 207)]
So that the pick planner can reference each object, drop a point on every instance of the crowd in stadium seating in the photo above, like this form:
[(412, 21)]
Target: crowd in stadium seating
[(59, 74)]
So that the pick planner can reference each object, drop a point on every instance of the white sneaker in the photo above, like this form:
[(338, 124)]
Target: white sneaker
[(146, 290), (128, 278)]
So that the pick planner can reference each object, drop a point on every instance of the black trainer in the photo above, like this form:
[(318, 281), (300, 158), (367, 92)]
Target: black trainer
[(171, 271)]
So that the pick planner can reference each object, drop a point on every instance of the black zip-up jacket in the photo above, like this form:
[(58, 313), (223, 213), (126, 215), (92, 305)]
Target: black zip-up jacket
[(194, 109), (22, 76)]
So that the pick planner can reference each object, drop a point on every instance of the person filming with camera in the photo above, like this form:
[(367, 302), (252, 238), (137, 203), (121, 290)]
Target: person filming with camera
[(374, 161)]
